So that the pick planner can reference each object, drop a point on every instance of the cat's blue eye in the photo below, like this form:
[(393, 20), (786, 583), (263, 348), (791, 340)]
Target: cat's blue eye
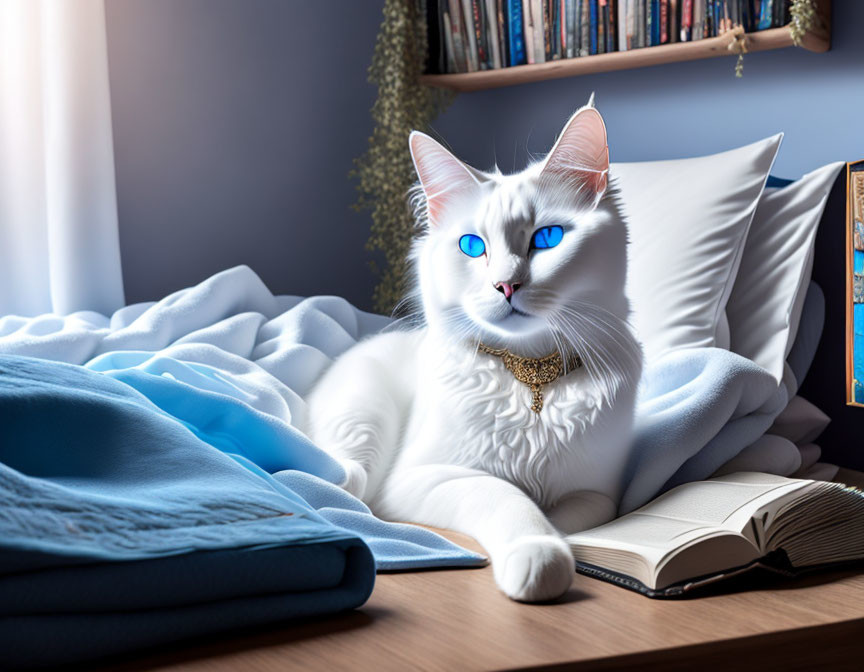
[(548, 236), (472, 245)]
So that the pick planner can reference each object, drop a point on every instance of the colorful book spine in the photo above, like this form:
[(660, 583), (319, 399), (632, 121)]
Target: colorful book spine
[(593, 46), (631, 23), (686, 20), (698, 20), (663, 29), (548, 34), (503, 32), (528, 27), (450, 59), (602, 24), (612, 29), (537, 30), (563, 29), (477, 16), (584, 27), (470, 38), (491, 23), (460, 53), (649, 23), (516, 33), (674, 20), (621, 18)]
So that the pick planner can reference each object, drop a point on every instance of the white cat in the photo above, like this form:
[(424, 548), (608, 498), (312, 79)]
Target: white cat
[(433, 429)]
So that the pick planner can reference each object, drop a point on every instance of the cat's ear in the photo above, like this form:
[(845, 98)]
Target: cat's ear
[(581, 153), (441, 174)]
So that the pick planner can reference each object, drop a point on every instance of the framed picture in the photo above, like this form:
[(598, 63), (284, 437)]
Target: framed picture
[(855, 283)]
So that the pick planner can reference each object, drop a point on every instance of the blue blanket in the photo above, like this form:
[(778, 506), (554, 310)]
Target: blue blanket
[(123, 526), (230, 365)]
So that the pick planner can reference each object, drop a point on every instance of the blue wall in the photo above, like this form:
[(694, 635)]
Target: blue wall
[(687, 109), (236, 123)]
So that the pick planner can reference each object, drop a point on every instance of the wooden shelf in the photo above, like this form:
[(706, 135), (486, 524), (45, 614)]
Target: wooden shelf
[(712, 47)]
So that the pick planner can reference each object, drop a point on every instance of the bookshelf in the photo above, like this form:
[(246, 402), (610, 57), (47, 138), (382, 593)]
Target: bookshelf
[(775, 38)]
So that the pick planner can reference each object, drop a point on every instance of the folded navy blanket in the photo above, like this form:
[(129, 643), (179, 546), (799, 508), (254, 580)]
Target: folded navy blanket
[(120, 528)]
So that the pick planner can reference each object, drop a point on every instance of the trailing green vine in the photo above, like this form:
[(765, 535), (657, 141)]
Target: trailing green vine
[(385, 172)]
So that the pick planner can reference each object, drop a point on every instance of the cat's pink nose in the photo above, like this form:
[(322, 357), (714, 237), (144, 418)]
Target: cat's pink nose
[(507, 288)]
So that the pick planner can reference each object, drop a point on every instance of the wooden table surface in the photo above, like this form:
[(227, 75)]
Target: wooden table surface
[(458, 620)]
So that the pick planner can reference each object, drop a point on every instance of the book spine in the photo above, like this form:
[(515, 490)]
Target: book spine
[(479, 34), (584, 27), (555, 28), (459, 54), (492, 33), (649, 22), (516, 33), (612, 32), (547, 30), (663, 28), (503, 32), (602, 24), (570, 8), (470, 39), (563, 28), (673, 27), (537, 30), (448, 44), (631, 23), (528, 31), (622, 17), (593, 48), (686, 19), (698, 19)]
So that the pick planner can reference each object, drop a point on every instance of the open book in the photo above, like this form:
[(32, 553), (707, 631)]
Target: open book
[(705, 531)]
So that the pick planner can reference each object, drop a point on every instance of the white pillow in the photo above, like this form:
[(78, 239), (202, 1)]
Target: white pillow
[(688, 220), (768, 295)]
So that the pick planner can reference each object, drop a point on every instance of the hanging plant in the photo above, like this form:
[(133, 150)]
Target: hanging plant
[(804, 18), (385, 172)]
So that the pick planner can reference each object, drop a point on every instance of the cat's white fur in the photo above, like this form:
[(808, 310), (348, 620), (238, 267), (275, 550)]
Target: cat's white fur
[(430, 431)]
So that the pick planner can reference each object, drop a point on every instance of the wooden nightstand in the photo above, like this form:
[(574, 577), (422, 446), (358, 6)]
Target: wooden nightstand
[(457, 620)]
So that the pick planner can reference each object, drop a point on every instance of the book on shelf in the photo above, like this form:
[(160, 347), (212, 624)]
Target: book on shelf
[(472, 35), (706, 531), (516, 33)]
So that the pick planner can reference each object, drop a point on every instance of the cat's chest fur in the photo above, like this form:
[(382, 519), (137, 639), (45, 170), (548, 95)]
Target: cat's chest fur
[(482, 419)]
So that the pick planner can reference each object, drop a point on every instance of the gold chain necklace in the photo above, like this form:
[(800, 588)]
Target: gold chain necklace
[(535, 373)]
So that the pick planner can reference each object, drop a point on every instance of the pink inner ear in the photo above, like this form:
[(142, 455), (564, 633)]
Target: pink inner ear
[(441, 174), (582, 151)]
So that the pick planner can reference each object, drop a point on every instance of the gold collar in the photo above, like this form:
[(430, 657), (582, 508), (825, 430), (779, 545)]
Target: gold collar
[(535, 373)]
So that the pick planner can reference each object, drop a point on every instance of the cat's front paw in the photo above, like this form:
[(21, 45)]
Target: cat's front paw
[(535, 568), (355, 478)]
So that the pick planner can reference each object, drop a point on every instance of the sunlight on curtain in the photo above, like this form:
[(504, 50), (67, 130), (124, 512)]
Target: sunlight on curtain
[(59, 247)]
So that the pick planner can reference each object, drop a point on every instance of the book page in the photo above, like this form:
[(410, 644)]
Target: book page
[(716, 501)]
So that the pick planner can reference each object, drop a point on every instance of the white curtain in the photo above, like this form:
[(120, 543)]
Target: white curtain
[(59, 247)]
